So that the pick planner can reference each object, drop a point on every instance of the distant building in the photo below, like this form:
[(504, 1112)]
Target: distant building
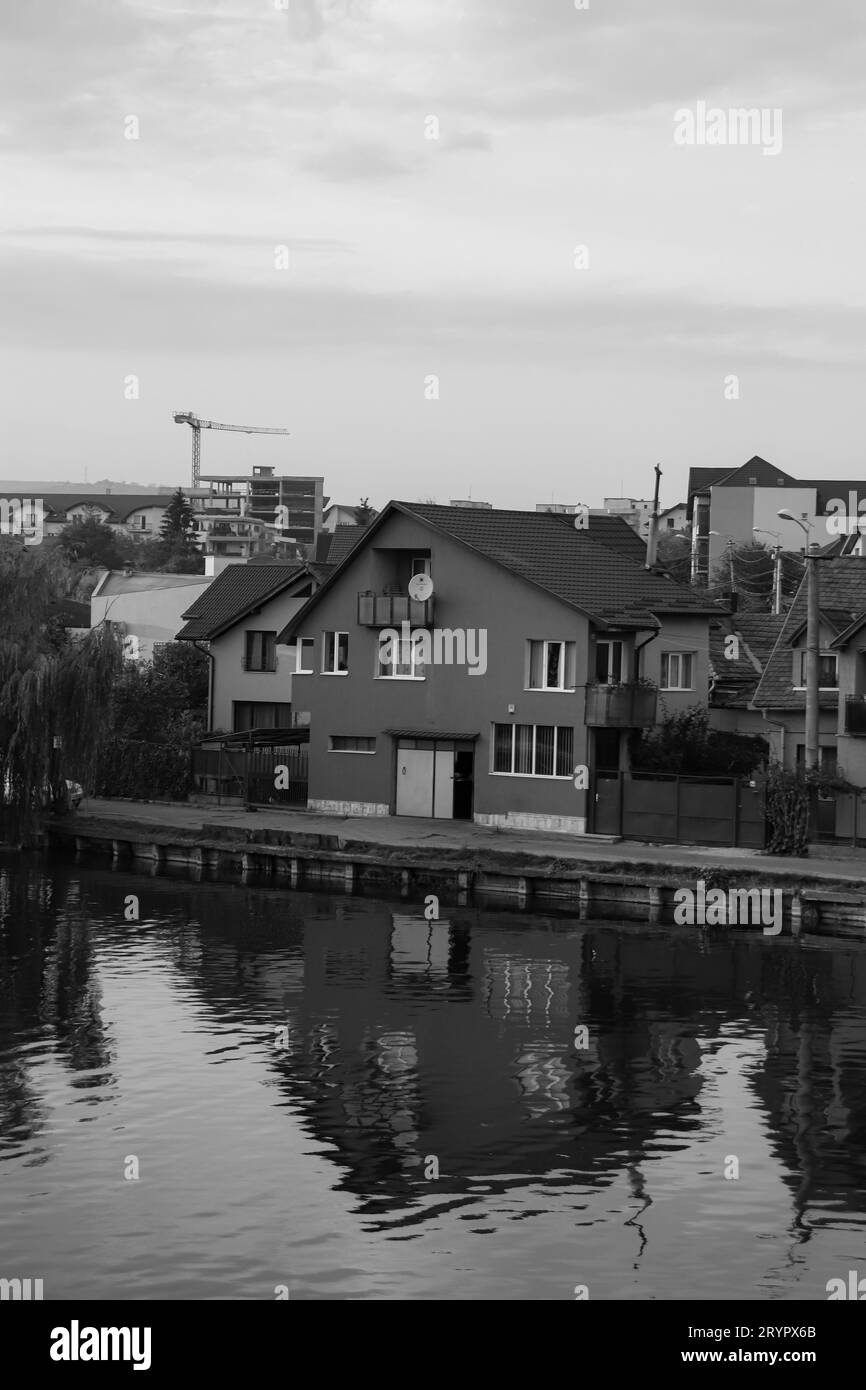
[(674, 518), (483, 506), (294, 505), (338, 515), (635, 510), (742, 504)]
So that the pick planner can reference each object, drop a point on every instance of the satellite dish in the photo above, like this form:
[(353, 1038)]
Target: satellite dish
[(420, 587)]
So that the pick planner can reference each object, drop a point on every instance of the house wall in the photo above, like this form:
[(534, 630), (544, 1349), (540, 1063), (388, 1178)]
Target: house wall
[(150, 615), (470, 593), (852, 681), (231, 682), (783, 747), (735, 510), (681, 633)]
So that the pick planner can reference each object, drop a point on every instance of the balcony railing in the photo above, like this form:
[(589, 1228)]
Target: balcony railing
[(855, 715), (623, 706), (390, 610)]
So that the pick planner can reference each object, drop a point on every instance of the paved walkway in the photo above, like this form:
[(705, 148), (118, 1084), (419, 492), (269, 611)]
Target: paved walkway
[(825, 861)]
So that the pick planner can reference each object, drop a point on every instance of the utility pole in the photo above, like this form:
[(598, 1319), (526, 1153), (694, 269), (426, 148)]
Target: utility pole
[(731, 565), (777, 580), (652, 538)]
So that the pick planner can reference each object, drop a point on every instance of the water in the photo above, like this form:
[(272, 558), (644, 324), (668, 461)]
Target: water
[(408, 1045)]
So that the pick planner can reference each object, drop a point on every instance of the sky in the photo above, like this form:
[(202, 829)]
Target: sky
[(430, 167)]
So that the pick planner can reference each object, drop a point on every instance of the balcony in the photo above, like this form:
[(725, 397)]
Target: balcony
[(627, 705), (390, 610), (855, 715)]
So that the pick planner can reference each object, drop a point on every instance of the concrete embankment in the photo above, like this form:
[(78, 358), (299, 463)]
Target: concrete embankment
[(584, 877)]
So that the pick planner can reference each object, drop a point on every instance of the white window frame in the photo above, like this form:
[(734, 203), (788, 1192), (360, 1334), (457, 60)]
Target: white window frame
[(610, 643), (537, 776), (414, 666), (569, 650), (679, 656), (299, 655), (336, 633)]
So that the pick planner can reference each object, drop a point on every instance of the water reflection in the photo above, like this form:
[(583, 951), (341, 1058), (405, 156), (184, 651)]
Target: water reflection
[(410, 1047)]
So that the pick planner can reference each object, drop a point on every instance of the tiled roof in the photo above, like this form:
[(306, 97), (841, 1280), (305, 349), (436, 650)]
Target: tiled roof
[(842, 595), (119, 504), (577, 566), (615, 532), (234, 592), (736, 677), (344, 539)]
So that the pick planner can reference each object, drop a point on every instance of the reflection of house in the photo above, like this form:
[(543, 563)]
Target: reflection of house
[(781, 694), (239, 617), (545, 633), (145, 608)]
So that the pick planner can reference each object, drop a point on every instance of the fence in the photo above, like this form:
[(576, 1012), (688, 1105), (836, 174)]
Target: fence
[(679, 810), (268, 775)]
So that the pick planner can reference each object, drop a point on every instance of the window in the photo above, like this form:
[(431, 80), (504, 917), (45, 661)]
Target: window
[(260, 651), (352, 743), (420, 565), (533, 750), (304, 647), (828, 672), (676, 671), (551, 665), (335, 653), (252, 714), (826, 759), (608, 662), (398, 659), (671, 523)]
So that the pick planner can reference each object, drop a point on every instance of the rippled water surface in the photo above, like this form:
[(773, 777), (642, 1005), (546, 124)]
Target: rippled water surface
[(288, 1071)]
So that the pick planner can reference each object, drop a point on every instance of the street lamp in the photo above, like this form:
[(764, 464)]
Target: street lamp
[(812, 624)]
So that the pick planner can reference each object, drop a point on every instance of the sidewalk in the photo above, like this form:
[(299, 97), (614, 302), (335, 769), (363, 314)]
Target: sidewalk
[(826, 862)]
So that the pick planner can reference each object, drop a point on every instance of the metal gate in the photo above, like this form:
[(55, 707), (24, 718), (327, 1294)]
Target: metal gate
[(679, 810)]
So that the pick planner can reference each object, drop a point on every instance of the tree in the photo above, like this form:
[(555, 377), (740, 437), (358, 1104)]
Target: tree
[(685, 744), (53, 694), (88, 541), (674, 554), (178, 523), (364, 513)]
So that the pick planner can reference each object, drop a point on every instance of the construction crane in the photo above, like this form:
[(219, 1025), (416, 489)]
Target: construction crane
[(187, 418)]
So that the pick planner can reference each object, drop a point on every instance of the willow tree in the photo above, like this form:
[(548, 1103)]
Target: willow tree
[(54, 692)]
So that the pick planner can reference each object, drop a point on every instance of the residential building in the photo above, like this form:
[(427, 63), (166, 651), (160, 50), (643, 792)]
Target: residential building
[(238, 620), (674, 518), (144, 608), (336, 514), (732, 504), (533, 649), (137, 515), (637, 511), (781, 692)]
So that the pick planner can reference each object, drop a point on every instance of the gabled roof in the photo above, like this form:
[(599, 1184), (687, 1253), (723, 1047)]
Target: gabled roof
[(143, 581), (236, 591), (842, 593), (735, 678), (596, 577)]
